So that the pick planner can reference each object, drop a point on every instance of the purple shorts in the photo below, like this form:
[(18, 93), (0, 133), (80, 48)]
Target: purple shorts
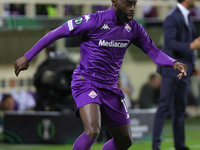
[(112, 104)]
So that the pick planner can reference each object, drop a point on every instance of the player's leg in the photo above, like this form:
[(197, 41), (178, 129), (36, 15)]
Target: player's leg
[(91, 118), (115, 117), (121, 140)]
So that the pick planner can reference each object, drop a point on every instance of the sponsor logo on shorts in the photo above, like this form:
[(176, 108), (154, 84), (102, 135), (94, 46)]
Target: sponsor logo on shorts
[(70, 25), (114, 43), (93, 94)]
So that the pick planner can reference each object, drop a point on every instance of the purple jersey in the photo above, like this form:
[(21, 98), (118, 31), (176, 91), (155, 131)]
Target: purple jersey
[(103, 45)]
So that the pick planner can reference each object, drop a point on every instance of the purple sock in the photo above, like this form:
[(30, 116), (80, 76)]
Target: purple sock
[(83, 142), (110, 145)]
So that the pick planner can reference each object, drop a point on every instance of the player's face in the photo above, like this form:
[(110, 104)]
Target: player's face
[(125, 9)]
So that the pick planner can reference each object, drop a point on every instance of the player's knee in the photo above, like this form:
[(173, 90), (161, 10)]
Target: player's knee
[(125, 143), (129, 142), (93, 132)]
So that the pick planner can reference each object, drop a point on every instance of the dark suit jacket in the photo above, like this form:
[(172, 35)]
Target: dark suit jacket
[(177, 39)]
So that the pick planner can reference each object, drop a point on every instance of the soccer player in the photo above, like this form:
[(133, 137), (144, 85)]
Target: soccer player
[(106, 35)]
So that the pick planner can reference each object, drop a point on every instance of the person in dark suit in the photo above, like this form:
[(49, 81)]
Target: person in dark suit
[(180, 41)]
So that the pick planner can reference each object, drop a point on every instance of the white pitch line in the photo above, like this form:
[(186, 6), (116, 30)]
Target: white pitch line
[(192, 146), (195, 146)]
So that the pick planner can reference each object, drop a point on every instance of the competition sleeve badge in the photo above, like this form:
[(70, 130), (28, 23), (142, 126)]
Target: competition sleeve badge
[(78, 20), (92, 94)]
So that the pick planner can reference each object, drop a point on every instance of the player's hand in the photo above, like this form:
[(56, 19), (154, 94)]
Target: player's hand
[(182, 68), (21, 64)]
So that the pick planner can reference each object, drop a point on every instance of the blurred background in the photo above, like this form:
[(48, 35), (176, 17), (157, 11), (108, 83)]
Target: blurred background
[(24, 22)]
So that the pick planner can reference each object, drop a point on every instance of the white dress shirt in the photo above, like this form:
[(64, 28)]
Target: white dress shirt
[(185, 12)]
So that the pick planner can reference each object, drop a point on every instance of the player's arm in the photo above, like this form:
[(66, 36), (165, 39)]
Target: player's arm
[(73, 27), (23, 62), (162, 59), (144, 42)]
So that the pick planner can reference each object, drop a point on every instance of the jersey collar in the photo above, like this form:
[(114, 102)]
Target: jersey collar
[(112, 15)]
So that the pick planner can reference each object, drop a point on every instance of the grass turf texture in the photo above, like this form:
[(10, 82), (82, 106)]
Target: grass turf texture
[(192, 128)]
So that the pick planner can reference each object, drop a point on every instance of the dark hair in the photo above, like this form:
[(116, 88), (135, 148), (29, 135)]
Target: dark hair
[(5, 96), (152, 76), (180, 1)]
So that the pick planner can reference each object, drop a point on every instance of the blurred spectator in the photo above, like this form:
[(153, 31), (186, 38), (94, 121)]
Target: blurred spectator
[(51, 11), (17, 100), (46, 10), (25, 100), (190, 96), (149, 11), (195, 82), (99, 8), (73, 10), (125, 85), (195, 12), (6, 12), (149, 93), (52, 81), (41, 10), (1, 96), (7, 103), (68, 10), (17, 9), (50, 49)]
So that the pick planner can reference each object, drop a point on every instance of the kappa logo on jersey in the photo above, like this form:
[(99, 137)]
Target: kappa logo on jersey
[(87, 17), (93, 94), (105, 27), (70, 25), (128, 28), (114, 43)]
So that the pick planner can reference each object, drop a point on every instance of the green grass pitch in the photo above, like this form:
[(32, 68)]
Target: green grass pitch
[(192, 128)]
